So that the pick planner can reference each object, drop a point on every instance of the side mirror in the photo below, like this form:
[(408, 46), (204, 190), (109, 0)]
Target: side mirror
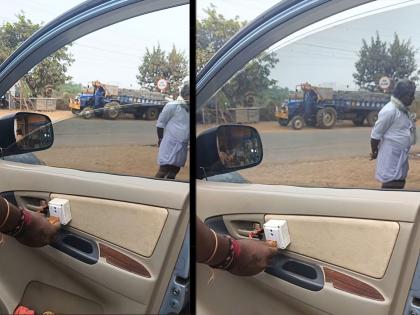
[(25, 132), (226, 149)]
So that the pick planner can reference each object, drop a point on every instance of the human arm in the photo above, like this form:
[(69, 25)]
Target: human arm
[(254, 256), (29, 228), (374, 145), (159, 134)]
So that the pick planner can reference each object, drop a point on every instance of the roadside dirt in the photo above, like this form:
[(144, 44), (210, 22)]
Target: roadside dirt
[(356, 172), (133, 160), (54, 116), (122, 159), (352, 172), (137, 160), (273, 126)]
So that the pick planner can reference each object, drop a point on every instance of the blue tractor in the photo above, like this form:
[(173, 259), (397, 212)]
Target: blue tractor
[(84, 104), (322, 107), (111, 107)]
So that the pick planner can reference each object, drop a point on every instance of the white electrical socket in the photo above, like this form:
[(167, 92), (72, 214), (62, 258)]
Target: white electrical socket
[(277, 230), (60, 208)]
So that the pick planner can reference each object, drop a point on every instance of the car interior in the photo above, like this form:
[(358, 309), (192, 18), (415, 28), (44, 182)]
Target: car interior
[(352, 250)]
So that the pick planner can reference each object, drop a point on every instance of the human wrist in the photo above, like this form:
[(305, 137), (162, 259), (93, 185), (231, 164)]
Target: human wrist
[(222, 251), (12, 220), (19, 228), (230, 257)]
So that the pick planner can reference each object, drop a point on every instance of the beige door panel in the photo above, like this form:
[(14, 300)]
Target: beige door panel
[(25, 265), (373, 249), (225, 198), (74, 303), (108, 278), (152, 192), (142, 233), (104, 219), (364, 246), (228, 294)]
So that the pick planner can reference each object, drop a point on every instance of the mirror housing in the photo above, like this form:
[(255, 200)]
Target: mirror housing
[(227, 148), (25, 132)]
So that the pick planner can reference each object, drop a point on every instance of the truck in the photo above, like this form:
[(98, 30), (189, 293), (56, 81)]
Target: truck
[(323, 107), (142, 107)]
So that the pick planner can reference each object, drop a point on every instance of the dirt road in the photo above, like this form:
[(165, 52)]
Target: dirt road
[(320, 158), (308, 157), (123, 146)]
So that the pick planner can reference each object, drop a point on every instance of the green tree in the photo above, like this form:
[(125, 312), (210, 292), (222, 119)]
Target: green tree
[(157, 64), (272, 97), (213, 32), (377, 59), (152, 68), (51, 71), (177, 69), (402, 60), (67, 91), (253, 79)]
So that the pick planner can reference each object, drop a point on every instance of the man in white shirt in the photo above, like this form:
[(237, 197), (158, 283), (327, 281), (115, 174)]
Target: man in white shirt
[(173, 129), (393, 135)]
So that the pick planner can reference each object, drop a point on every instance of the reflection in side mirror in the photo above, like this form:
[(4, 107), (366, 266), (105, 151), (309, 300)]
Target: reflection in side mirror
[(25, 132), (33, 132), (227, 148), (238, 146)]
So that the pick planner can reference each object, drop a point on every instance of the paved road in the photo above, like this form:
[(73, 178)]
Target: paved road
[(78, 131), (281, 145), (317, 144)]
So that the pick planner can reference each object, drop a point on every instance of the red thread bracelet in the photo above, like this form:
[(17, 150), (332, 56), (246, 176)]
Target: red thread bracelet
[(27, 218)]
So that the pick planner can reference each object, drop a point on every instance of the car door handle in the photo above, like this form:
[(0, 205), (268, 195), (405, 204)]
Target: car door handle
[(297, 272), (76, 246)]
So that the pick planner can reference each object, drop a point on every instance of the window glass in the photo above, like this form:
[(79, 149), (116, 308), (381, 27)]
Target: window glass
[(315, 96), (105, 92)]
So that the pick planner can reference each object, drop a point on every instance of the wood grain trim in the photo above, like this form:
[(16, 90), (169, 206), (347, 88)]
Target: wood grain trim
[(120, 260), (351, 285)]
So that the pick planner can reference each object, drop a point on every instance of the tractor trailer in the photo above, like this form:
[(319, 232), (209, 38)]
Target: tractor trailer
[(323, 107)]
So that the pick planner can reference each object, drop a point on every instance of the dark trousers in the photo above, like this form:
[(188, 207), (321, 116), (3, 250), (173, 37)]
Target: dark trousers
[(394, 184), (167, 171)]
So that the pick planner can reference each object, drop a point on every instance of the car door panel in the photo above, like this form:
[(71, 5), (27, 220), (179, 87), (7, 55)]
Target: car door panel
[(340, 241), (363, 241), (98, 217), (138, 235), (74, 303)]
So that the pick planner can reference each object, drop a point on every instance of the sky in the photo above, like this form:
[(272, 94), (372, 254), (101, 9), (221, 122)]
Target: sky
[(328, 57), (113, 54), (325, 54)]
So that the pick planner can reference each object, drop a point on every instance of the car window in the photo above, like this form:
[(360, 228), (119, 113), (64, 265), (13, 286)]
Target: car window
[(315, 96), (15, 15), (218, 21), (105, 92)]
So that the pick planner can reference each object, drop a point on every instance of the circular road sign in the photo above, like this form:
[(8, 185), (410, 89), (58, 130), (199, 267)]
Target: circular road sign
[(162, 84), (384, 83)]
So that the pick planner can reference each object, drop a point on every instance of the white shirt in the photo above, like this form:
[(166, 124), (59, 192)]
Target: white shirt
[(176, 122), (393, 130)]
